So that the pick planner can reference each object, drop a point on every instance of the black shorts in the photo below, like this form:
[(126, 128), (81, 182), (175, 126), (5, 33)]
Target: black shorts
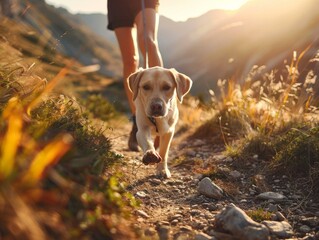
[(122, 13)]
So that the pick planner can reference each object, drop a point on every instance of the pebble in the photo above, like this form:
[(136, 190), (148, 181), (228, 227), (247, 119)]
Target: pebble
[(305, 229), (142, 213), (272, 208), (202, 236), (209, 189), (176, 216), (235, 174), (141, 194), (149, 232), (228, 160), (310, 221), (280, 217), (163, 223), (280, 229), (194, 212), (163, 232), (271, 196), (155, 181), (185, 228), (174, 222)]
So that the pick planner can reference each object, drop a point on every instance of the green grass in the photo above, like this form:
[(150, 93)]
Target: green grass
[(259, 215), (297, 151)]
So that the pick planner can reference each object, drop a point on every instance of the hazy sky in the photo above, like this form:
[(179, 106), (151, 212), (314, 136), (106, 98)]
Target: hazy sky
[(178, 10)]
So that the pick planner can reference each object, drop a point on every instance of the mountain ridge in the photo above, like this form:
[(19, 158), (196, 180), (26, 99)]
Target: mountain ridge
[(227, 44)]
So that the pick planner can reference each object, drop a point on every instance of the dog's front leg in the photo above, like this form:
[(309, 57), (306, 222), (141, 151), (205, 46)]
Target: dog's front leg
[(144, 139), (165, 143)]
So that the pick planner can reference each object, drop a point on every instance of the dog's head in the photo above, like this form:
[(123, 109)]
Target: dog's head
[(156, 87)]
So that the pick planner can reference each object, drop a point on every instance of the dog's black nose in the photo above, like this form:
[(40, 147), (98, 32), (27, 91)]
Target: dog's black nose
[(157, 108)]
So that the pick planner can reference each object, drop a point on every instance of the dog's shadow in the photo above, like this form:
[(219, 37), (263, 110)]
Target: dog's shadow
[(146, 179)]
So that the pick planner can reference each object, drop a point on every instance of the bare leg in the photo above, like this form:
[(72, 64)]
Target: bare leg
[(126, 38), (128, 46), (154, 55)]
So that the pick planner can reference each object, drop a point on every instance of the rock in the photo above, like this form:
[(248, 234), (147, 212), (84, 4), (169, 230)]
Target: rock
[(162, 223), (142, 213), (305, 229), (209, 189), (202, 236), (174, 222), (163, 232), (310, 221), (235, 174), (141, 194), (186, 228), (183, 236), (194, 212), (235, 221), (280, 217), (150, 232), (272, 208), (155, 181), (279, 229), (271, 196)]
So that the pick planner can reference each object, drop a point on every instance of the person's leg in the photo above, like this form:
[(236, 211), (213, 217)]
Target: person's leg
[(128, 47), (6, 6), (151, 17), (126, 38), (149, 35)]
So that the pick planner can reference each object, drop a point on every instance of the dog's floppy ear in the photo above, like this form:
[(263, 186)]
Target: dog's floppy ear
[(183, 83), (133, 82)]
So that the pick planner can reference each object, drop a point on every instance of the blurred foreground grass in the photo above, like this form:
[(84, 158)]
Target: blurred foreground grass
[(52, 157)]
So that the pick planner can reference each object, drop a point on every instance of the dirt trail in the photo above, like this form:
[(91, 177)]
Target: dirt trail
[(167, 205), (173, 208)]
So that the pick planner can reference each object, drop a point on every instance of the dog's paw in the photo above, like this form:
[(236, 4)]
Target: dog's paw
[(163, 172), (151, 157)]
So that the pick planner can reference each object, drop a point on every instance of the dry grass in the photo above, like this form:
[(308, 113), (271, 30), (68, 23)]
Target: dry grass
[(51, 155), (271, 115)]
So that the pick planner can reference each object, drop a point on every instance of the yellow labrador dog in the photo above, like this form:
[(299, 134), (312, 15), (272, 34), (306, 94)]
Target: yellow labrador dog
[(155, 94)]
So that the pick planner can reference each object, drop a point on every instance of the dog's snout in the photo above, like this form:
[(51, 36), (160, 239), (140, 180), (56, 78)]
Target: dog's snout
[(157, 108)]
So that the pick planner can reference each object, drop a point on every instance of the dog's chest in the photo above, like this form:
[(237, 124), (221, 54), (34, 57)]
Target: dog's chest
[(164, 125)]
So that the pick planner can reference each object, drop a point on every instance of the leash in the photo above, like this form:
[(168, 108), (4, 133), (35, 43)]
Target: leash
[(144, 34)]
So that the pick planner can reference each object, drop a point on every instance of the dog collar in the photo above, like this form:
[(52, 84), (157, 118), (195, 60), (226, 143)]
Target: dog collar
[(154, 122)]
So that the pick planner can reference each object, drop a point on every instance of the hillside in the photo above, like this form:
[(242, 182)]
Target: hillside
[(67, 35), (222, 44), (246, 38)]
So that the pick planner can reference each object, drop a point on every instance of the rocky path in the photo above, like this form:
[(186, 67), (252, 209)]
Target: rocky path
[(240, 203)]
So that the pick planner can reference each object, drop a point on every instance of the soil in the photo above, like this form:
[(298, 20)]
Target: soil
[(173, 208)]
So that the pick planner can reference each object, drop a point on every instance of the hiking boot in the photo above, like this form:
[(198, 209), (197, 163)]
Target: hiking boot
[(132, 141)]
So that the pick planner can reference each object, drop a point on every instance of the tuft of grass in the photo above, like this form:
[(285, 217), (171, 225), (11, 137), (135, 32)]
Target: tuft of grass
[(260, 145), (259, 215), (99, 107), (297, 151)]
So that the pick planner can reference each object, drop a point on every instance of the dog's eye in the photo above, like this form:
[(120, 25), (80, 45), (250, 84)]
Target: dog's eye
[(147, 87), (166, 87)]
